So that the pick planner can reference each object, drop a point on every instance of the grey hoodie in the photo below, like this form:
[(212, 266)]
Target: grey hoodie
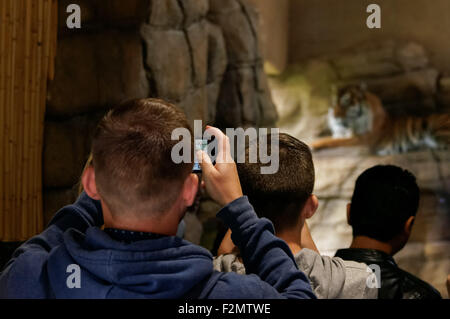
[(330, 277)]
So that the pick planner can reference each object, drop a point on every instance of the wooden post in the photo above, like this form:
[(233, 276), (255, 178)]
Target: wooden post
[(27, 111), (3, 59), (27, 50), (8, 111)]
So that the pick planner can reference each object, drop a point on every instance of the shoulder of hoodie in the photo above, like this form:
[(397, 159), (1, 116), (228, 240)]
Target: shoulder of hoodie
[(27, 266), (238, 286), (37, 248), (34, 252), (350, 275)]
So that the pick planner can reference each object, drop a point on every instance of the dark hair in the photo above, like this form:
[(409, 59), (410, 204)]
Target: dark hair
[(131, 155), (280, 196), (385, 196)]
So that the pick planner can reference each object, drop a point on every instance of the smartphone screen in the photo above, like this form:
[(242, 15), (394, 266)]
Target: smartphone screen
[(199, 144)]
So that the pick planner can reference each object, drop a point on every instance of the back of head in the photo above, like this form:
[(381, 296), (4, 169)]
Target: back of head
[(280, 196), (383, 200), (131, 153)]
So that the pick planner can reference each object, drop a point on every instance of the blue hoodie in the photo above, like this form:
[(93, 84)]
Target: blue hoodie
[(167, 267)]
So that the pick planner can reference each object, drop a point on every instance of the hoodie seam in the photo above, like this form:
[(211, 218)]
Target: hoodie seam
[(109, 266), (120, 261), (111, 261)]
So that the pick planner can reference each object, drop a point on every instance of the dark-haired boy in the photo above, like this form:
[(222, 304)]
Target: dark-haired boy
[(382, 213), (286, 198)]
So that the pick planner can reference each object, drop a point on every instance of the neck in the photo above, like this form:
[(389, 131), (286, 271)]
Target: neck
[(292, 239), (370, 243), (147, 226), (165, 224)]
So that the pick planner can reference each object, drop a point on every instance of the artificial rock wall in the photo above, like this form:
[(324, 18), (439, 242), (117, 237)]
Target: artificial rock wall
[(320, 27), (202, 55)]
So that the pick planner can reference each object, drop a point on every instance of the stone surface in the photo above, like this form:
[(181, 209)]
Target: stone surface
[(374, 59), (267, 112), (240, 103), (211, 224), (366, 69), (217, 54), (168, 59), (380, 59), (177, 54), (213, 90), (443, 102), (222, 7), (217, 63), (66, 148), (208, 209), (398, 72), (273, 32), (337, 169), (238, 32), (194, 10), (406, 86), (247, 96), (165, 13), (123, 13), (228, 111), (75, 88), (195, 104), (320, 27), (411, 56), (194, 228), (95, 71), (444, 84), (197, 35), (121, 69), (174, 49)]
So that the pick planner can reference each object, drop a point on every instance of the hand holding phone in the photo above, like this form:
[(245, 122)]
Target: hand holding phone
[(199, 145), (221, 180)]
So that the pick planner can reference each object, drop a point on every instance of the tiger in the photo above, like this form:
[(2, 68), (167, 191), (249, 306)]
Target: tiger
[(357, 116)]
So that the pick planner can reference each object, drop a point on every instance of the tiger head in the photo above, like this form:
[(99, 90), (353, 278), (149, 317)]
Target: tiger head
[(349, 114)]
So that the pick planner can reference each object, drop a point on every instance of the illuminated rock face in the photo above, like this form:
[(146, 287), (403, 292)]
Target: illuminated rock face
[(202, 55)]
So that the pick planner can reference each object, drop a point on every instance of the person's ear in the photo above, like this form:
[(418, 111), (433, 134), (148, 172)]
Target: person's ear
[(408, 225), (88, 181), (311, 205), (190, 189), (348, 214)]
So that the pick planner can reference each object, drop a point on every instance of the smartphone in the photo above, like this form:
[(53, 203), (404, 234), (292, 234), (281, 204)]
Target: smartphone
[(199, 144)]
